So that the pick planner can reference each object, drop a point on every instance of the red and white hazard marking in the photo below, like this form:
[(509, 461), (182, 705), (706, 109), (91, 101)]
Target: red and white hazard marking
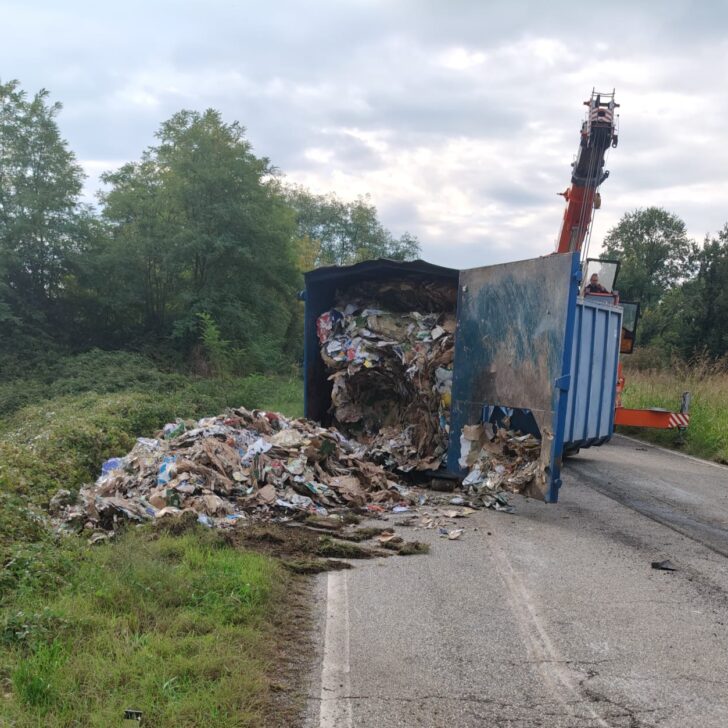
[(679, 420)]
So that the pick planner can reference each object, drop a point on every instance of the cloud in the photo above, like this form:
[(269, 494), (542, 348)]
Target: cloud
[(460, 119)]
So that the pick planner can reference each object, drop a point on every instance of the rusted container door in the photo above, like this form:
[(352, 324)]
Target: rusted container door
[(513, 351)]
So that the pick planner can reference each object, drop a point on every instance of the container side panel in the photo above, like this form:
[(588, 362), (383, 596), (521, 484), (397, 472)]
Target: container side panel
[(510, 346), (593, 374), (611, 358), (595, 384), (583, 381), (575, 353)]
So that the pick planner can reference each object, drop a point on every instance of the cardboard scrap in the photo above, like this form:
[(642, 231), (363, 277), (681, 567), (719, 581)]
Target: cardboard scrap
[(224, 468)]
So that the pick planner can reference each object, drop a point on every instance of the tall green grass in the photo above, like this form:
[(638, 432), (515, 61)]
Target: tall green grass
[(707, 381), (179, 628)]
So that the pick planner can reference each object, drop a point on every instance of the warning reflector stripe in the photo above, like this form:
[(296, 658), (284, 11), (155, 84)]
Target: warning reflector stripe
[(679, 420)]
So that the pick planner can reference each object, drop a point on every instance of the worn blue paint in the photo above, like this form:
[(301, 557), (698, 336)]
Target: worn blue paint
[(513, 352), (526, 348)]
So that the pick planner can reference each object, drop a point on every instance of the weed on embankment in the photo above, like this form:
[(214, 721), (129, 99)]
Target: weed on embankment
[(707, 382)]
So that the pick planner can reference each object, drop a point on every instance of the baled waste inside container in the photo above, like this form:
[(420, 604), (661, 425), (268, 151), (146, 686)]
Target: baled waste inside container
[(388, 349)]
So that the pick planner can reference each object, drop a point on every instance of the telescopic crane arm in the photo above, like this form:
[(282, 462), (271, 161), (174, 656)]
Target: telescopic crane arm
[(598, 134)]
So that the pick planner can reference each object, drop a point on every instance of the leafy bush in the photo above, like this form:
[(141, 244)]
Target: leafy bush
[(93, 371)]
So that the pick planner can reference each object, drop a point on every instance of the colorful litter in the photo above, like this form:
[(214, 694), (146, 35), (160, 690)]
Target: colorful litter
[(390, 369)]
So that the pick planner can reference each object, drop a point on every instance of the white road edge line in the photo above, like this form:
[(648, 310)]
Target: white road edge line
[(336, 708), (672, 452)]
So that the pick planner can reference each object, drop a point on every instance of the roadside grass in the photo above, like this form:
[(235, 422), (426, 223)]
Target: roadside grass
[(103, 372), (181, 628), (47, 377), (707, 435), (61, 442)]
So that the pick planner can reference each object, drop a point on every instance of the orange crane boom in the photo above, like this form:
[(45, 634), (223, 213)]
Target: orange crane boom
[(598, 134)]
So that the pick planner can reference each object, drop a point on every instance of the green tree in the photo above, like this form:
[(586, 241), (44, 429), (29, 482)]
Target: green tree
[(655, 251), (691, 317), (705, 323), (42, 223), (663, 325), (199, 225), (333, 232)]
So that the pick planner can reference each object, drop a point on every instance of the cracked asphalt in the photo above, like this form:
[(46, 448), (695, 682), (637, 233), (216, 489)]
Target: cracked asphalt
[(549, 617)]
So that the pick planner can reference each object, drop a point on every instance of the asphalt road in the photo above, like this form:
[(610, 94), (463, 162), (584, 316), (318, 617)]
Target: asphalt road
[(548, 617)]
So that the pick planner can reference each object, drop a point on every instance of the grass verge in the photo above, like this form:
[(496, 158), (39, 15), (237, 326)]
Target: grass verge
[(61, 442), (177, 627), (707, 435), (183, 627)]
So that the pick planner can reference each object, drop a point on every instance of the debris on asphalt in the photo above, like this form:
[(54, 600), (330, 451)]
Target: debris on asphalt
[(506, 461), (238, 465), (389, 351), (304, 549), (665, 565), (454, 534)]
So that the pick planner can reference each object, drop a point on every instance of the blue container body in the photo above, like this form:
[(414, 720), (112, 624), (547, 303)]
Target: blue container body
[(527, 348), (594, 369)]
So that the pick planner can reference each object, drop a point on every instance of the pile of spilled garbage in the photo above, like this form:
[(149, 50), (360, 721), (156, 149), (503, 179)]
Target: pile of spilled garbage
[(388, 352), (238, 465), (389, 349), (256, 465)]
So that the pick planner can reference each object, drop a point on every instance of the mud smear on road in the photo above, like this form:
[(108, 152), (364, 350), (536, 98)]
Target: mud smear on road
[(293, 652), (306, 548), (310, 548)]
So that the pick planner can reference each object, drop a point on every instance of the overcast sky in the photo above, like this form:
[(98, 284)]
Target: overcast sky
[(460, 119)]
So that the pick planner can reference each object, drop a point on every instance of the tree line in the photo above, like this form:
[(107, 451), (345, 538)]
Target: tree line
[(197, 249), (200, 240), (682, 287)]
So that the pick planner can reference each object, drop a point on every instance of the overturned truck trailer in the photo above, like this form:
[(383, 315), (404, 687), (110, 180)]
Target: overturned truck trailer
[(529, 353)]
